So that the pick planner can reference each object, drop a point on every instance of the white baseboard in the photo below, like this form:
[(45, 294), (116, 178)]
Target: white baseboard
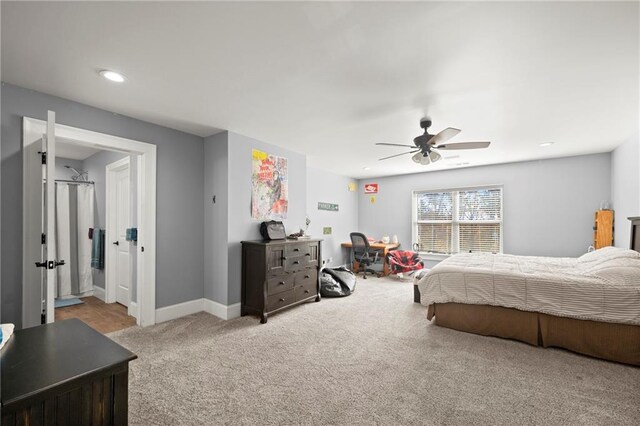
[(226, 312), (179, 310), (99, 292), (133, 309)]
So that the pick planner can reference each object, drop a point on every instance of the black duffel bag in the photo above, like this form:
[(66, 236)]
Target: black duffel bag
[(337, 282), (272, 230)]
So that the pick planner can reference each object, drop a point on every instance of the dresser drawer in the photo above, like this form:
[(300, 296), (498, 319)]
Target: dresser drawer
[(280, 283), (305, 290), (293, 264), (306, 276), (295, 250), (280, 300)]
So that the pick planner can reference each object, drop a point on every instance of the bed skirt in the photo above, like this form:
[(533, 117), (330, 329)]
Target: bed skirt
[(613, 342)]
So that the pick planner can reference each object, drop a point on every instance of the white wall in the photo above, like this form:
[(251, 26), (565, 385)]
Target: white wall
[(327, 187), (625, 188), (548, 204)]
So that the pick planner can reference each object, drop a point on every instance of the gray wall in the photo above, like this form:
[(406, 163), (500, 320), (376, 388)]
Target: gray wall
[(625, 188), (548, 204), (241, 226), (216, 217), (64, 173), (331, 188), (180, 187)]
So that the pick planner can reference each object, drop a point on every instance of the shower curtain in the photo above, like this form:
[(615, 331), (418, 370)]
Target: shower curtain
[(74, 217)]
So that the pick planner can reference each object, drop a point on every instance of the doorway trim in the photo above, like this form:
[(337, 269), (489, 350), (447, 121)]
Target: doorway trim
[(146, 153), (109, 273)]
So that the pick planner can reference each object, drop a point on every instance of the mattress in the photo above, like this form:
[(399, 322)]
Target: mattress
[(603, 285)]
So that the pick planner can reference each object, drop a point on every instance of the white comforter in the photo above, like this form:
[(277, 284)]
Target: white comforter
[(603, 285)]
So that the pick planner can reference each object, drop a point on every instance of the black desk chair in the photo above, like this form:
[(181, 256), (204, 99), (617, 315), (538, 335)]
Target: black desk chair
[(362, 253)]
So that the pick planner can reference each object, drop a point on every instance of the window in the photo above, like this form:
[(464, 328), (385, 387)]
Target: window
[(458, 221)]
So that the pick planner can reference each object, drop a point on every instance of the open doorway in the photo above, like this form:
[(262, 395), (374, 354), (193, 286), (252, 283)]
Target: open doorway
[(96, 234), (72, 216)]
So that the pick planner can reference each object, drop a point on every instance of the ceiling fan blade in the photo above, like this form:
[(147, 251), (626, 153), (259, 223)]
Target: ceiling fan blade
[(396, 144), (464, 145), (444, 136), (398, 155)]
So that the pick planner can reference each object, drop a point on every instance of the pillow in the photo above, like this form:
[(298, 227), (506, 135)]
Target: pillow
[(608, 253)]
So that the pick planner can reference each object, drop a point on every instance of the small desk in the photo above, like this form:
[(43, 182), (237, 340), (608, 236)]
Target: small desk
[(376, 246), (64, 373)]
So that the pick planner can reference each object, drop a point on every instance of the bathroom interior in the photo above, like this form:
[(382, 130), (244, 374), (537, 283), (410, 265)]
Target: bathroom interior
[(81, 207)]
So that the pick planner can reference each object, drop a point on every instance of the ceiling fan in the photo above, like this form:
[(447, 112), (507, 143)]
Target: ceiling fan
[(426, 145)]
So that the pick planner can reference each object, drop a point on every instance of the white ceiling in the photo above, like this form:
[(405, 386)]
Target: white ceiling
[(331, 79)]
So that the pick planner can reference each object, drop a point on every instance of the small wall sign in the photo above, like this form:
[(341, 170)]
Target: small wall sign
[(370, 188), (328, 206), (326, 230)]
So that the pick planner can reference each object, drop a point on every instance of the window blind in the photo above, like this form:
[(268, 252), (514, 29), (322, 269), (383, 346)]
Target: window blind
[(459, 221), (435, 237), (435, 206), (480, 205)]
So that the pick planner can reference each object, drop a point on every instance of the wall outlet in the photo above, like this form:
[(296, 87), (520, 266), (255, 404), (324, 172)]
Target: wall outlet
[(329, 260)]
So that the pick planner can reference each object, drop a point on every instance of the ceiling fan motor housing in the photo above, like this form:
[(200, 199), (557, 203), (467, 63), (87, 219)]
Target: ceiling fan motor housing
[(425, 123)]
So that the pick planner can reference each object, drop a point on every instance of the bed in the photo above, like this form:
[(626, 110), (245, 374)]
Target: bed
[(590, 304)]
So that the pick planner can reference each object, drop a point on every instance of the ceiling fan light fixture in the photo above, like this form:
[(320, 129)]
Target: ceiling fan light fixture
[(546, 144), (421, 159)]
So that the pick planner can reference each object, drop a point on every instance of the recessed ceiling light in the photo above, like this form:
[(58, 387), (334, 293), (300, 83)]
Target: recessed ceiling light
[(366, 168), (543, 144), (112, 76)]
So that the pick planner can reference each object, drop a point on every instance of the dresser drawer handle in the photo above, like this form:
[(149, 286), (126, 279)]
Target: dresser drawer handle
[(284, 257), (281, 299), (306, 291), (281, 283), (297, 262), (308, 254), (296, 249), (307, 276)]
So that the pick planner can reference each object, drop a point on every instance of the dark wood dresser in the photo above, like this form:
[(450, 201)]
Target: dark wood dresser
[(279, 274), (64, 373)]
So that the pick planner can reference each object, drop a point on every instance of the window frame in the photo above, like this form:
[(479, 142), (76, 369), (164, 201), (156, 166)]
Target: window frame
[(455, 222)]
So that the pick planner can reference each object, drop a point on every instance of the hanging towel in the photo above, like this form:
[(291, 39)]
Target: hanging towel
[(132, 234), (97, 249)]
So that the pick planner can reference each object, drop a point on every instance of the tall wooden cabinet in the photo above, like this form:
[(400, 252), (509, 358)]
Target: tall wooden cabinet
[(279, 274), (603, 229)]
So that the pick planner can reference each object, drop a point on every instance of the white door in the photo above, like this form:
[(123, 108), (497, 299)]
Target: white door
[(39, 255), (48, 248), (118, 220)]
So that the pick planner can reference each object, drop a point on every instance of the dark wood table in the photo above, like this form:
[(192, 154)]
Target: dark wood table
[(64, 373)]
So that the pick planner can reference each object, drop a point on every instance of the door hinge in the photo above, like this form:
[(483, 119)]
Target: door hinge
[(43, 238), (43, 155)]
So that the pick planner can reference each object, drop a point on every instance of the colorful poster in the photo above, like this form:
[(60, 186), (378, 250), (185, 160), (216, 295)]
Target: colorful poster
[(370, 188), (270, 187)]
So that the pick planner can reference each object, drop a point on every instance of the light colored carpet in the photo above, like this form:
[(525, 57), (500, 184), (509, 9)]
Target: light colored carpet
[(371, 358)]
